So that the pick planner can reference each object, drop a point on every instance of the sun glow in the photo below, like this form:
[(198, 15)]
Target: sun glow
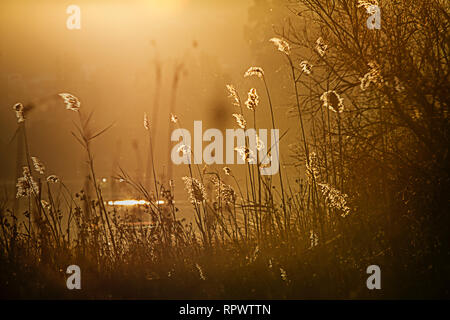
[(167, 4)]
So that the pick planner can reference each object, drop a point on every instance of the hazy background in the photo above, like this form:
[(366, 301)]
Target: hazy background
[(110, 66)]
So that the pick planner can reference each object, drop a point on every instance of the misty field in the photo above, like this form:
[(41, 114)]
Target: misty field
[(366, 181)]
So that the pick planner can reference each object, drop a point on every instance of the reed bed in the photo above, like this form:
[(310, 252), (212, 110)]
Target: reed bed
[(371, 188)]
